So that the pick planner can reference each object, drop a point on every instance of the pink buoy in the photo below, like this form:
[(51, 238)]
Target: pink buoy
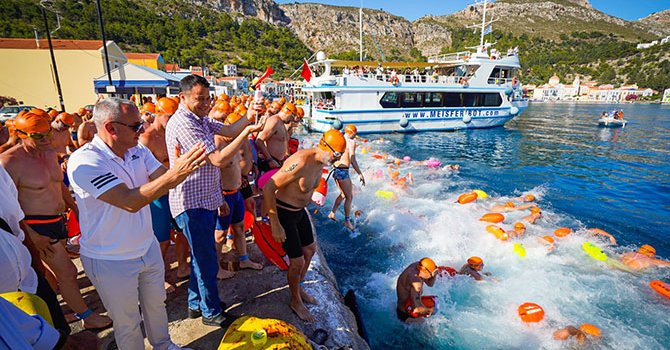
[(433, 163), (406, 158), (266, 177)]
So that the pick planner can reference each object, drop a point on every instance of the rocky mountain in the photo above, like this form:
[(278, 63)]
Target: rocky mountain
[(267, 10), (547, 19), (335, 29), (658, 22)]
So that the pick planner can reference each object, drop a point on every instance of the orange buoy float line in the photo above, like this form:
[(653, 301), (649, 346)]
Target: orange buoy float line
[(660, 288), (562, 232), (531, 312), (493, 218), (467, 197), (498, 232)]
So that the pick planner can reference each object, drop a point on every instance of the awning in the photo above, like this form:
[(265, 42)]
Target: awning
[(373, 64), (131, 79)]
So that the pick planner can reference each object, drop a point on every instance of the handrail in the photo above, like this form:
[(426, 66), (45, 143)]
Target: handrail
[(450, 57)]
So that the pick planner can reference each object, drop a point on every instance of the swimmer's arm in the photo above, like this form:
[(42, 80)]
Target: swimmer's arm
[(69, 201), (225, 154), (431, 281), (662, 263), (236, 128), (415, 294)]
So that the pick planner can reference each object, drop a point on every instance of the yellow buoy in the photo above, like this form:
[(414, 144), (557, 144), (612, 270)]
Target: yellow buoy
[(480, 194)]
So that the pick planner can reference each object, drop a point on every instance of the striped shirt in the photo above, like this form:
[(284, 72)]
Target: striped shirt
[(201, 189)]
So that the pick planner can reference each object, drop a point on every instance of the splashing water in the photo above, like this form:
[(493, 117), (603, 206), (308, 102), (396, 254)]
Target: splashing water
[(581, 178)]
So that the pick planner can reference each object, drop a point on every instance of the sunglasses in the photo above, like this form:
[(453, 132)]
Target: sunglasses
[(36, 135), (335, 154), (136, 127)]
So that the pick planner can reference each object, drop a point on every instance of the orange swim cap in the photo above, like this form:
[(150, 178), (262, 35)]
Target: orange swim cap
[(590, 329), (224, 97), (148, 107), (350, 129), (519, 226), (333, 141), (66, 118), (82, 111), (535, 210), (232, 118), (282, 100), (39, 112), (29, 123), (510, 204), (167, 105), (427, 264), (648, 249), (176, 99), (241, 109), (300, 112), (475, 260), (289, 108), (222, 106), (529, 198), (562, 232), (52, 113)]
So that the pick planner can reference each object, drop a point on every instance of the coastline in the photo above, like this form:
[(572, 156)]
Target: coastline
[(261, 293)]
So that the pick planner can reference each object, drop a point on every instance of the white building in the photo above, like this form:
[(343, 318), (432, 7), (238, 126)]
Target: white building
[(666, 96), (230, 70), (555, 91)]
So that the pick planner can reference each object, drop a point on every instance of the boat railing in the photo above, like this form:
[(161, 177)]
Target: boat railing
[(450, 57), (411, 78), (500, 81)]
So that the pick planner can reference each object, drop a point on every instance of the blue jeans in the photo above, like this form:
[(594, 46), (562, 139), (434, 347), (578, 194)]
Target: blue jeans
[(203, 293)]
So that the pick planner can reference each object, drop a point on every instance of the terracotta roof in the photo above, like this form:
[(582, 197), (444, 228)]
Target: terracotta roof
[(172, 67), (141, 56), (58, 44)]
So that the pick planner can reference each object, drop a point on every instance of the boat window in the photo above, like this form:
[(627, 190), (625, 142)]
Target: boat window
[(440, 99), (452, 99), (389, 100), (411, 99)]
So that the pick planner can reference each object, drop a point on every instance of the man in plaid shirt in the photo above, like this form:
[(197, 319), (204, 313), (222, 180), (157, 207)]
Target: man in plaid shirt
[(194, 203)]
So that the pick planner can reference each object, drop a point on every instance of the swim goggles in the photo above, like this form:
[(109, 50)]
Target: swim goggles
[(136, 127), (36, 135), (335, 153)]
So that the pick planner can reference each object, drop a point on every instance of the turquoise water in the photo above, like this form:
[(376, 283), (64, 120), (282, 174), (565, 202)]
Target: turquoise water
[(584, 176)]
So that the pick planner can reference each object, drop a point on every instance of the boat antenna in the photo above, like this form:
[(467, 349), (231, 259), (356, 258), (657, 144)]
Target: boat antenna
[(485, 26)]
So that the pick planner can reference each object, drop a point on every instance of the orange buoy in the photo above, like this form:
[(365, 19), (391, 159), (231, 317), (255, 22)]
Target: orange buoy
[(493, 217), (660, 288), (498, 232), (467, 197), (562, 232), (548, 239), (531, 312)]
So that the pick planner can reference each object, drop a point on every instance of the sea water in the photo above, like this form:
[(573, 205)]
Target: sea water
[(582, 175)]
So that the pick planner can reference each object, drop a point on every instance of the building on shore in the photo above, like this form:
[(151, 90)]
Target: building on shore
[(151, 60), (554, 90), (666, 96), (26, 72)]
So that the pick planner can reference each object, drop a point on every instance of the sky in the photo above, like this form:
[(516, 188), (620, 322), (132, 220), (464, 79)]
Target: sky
[(411, 10)]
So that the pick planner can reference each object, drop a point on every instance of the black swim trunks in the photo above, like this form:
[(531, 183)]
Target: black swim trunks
[(298, 230), (264, 165), (402, 315), (52, 226)]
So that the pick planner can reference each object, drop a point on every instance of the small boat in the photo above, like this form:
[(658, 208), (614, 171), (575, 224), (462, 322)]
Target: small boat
[(612, 122)]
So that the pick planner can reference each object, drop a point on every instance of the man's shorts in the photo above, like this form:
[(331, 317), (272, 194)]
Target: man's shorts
[(236, 215), (341, 173), (298, 231), (52, 226), (161, 218), (264, 165)]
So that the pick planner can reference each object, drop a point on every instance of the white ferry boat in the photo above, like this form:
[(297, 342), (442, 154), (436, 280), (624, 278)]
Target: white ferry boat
[(465, 90)]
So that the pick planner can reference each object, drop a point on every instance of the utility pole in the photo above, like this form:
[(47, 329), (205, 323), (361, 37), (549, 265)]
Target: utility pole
[(104, 46), (43, 5)]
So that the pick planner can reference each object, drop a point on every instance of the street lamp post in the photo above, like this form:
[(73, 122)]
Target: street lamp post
[(104, 46), (43, 5)]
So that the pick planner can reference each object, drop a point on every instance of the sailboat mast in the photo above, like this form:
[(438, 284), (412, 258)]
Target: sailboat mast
[(360, 31), (481, 38)]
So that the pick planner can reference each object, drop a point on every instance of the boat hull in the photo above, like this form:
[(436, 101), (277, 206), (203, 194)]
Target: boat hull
[(413, 120), (612, 123)]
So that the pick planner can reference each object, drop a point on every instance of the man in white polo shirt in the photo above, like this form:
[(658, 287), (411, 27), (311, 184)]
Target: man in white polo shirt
[(114, 179)]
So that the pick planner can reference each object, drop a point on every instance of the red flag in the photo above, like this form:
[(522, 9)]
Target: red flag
[(306, 72)]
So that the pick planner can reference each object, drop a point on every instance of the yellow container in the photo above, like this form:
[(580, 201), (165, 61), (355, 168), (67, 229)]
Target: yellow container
[(278, 335)]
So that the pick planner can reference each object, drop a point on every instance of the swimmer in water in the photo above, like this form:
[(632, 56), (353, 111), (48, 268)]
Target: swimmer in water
[(580, 334), (535, 213), (410, 287), (644, 258), (510, 206), (519, 230), (474, 268)]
